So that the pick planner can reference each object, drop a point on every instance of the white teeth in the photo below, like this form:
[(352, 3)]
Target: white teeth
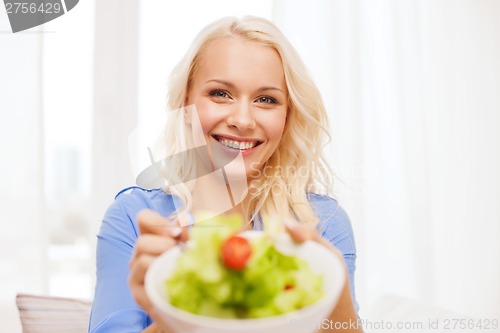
[(238, 145)]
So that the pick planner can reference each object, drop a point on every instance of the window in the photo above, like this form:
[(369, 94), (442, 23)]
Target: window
[(67, 75)]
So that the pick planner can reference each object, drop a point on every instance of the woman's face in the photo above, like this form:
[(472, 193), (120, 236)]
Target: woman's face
[(240, 94)]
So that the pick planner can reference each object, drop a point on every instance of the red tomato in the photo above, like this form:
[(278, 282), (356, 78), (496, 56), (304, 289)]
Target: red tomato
[(235, 252)]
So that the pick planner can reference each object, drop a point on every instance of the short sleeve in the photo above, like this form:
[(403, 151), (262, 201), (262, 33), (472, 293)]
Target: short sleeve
[(335, 226)]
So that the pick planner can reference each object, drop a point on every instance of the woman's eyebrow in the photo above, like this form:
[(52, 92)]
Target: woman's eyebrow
[(226, 83), (231, 85), (270, 88)]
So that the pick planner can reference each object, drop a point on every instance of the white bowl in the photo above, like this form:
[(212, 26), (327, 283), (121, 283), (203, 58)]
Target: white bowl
[(308, 319)]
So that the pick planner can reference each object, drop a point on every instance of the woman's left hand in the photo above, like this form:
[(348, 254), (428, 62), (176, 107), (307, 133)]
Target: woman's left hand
[(344, 312)]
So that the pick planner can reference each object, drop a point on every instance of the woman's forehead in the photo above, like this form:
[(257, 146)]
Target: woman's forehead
[(236, 59)]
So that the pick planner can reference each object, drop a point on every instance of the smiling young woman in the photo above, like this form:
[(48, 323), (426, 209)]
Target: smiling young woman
[(245, 94)]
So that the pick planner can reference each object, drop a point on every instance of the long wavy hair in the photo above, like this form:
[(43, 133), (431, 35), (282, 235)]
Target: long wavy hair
[(297, 167)]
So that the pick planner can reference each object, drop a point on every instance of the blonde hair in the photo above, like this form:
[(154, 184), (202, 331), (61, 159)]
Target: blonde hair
[(298, 165)]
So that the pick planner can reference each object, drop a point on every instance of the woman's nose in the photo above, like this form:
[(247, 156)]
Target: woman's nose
[(241, 117)]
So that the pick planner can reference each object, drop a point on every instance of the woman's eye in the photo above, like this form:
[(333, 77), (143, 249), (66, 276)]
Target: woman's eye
[(266, 100), (219, 94)]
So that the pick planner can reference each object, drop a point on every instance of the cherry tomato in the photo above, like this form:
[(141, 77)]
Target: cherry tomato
[(235, 252)]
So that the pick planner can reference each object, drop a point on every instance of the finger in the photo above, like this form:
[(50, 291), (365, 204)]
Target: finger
[(184, 220), (153, 328), (151, 222), (185, 232), (142, 298), (138, 268), (136, 283), (158, 326), (300, 232), (153, 244)]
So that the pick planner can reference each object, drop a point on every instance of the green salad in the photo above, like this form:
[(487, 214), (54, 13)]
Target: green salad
[(224, 275)]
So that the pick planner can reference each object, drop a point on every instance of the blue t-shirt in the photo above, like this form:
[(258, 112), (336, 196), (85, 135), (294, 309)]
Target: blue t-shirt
[(115, 310)]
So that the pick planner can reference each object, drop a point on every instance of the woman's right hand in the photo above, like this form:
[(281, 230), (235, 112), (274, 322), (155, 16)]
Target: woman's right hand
[(157, 234)]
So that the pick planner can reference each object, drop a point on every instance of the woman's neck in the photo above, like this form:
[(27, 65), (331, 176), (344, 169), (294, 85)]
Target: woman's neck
[(212, 195)]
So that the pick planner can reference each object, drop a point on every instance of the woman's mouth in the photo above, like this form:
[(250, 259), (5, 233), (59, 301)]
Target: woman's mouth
[(233, 143)]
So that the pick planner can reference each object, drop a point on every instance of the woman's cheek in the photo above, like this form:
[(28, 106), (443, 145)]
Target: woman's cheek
[(206, 114), (277, 126)]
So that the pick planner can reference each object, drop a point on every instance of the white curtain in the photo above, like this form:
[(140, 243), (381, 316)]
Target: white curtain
[(412, 88)]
